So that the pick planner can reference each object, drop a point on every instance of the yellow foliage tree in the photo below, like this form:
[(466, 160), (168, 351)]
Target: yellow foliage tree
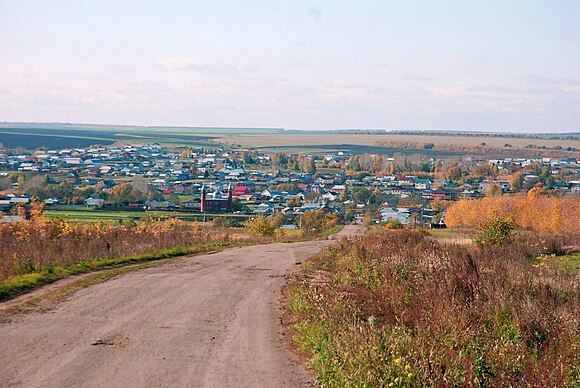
[(546, 214)]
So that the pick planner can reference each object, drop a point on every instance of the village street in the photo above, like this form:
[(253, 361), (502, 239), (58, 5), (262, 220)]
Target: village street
[(208, 320)]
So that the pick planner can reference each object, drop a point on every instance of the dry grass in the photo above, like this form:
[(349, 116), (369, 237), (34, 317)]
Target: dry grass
[(29, 247), (398, 308)]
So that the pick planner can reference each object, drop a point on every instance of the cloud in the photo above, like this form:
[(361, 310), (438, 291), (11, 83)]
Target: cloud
[(383, 65), (500, 89), (315, 13), (177, 63), (543, 80), (302, 43), (416, 77), (204, 67)]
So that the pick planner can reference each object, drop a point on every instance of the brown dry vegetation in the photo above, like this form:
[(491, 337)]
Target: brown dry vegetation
[(43, 243), (399, 308)]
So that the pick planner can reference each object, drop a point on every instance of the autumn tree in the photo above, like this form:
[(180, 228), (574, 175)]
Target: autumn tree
[(368, 218), (311, 222), (453, 173), (542, 213), (276, 220), (309, 166), (124, 193), (494, 189), (516, 181)]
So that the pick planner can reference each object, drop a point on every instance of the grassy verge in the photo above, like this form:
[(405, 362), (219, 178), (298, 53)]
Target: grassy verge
[(333, 230), (397, 308), (20, 284)]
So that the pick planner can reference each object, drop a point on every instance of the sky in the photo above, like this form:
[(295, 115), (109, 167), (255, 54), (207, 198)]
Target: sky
[(490, 65)]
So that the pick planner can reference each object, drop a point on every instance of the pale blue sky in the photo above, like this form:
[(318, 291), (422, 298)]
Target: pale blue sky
[(475, 65)]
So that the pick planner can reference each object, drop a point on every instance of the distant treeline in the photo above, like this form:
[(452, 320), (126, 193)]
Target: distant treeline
[(510, 135)]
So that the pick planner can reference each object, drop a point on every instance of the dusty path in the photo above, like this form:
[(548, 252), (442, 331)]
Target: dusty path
[(210, 320)]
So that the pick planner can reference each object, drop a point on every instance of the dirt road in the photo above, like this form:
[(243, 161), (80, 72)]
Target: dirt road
[(208, 321)]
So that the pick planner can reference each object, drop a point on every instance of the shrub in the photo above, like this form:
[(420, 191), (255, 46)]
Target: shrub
[(392, 223), (495, 230), (260, 226)]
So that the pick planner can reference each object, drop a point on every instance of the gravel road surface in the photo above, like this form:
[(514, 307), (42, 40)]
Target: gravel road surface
[(202, 321)]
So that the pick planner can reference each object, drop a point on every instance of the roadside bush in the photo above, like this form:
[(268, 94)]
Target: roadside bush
[(495, 230), (260, 226)]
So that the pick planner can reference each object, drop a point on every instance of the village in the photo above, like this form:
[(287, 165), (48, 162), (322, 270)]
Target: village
[(234, 184)]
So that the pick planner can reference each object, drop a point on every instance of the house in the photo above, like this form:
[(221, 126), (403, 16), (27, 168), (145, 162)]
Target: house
[(264, 208), (443, 195), (483, 186), (72, 178), (399, 214), (406, 181), (269, 194), (159, 205), (23, 200), (422, 184), (330, 196), (193, 204), (7, 219), (241, 190), (52, 201), (94, 202)]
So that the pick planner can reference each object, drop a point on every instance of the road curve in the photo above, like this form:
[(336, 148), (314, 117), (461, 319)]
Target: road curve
[(203, 321)]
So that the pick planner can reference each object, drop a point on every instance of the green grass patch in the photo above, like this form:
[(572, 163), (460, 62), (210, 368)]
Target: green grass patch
[(564, 263), (333, 230)]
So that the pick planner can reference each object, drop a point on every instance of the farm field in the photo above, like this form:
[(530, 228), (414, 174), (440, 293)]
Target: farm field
[(32, 138), (293, 139), (358, 149)]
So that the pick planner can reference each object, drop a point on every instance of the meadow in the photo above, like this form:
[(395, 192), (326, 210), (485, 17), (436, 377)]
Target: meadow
[(401, 308), (88, 215)]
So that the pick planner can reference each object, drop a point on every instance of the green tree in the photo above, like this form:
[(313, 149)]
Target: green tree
[(354, 164), (361, 194)]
